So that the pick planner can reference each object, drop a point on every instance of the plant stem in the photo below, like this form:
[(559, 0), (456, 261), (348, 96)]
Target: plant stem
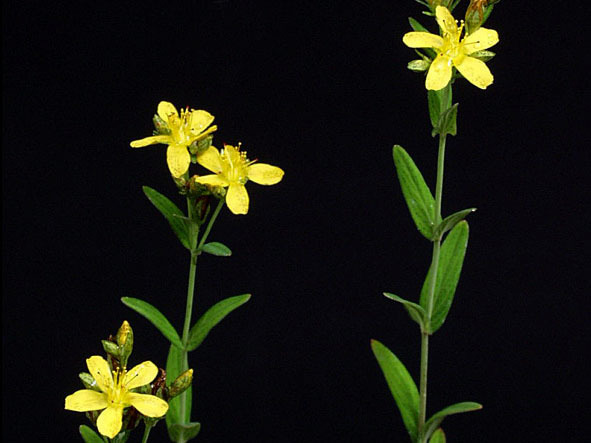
[(147, 430), (432, 281), (195, 251)]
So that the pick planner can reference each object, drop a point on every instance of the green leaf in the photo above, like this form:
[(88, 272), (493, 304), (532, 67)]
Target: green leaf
[(401, 386), (184, 432), (451, 260), (438, 436), (416, 312), (212, 317), (450, 221), (155, 317), (439, 101), (418, 197), (216, 248), (447, 122), (433, 423), (174, 367), (171, 212), (416, 26), (89, 436)]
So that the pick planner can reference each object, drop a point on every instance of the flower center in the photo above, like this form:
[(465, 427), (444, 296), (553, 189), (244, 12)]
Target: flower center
[(117, 392), (235, 164), (180, 127), (452, 46)]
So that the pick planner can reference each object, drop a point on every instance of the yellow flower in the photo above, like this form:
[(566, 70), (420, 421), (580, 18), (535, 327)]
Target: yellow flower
[(116, 394), (185, 129), (233, 169), (451, 51)]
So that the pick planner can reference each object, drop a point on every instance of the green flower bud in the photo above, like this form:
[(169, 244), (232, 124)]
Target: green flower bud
[(483, 55), (160, 126), (477, 13), (88, 381), (111, 348), (125, 342), (200, 146), (418, 65), (181, 383)]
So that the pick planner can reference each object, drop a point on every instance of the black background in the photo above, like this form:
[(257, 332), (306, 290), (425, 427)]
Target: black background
[(321, 90)]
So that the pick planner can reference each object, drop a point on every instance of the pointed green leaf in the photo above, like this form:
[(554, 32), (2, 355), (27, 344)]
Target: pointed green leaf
[(184, 432), (416, 26), (212, 317), (416, 312), (450, 221), (174, 367), (171, 212), (451, 259), (155, 317), (418, 197), (216, 248), (401, 386), (433, 423), (447, 122), (89, 436), (438, 436), (439, 101)]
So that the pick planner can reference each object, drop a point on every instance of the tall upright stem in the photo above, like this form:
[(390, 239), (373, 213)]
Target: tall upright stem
[(432, 281), (195, 251)]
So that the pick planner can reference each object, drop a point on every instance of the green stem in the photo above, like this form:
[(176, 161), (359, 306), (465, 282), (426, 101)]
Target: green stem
[(147, 430), (195, 251), (433, 279)]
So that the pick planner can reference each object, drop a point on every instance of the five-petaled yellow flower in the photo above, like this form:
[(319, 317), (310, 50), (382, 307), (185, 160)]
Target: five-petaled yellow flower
[(184, 129), (232, 169), (451, 51), (116, 394)]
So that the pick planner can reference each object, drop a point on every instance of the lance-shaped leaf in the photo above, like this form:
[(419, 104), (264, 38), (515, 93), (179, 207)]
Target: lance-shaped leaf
[(434, 422), (416, 312), (416, 26), (171, 212), (450, 221), (438, 436), (174, 367), (439, 101), (418, 197), (155, 317), (212, 317), (447, 122), (89, 436), (216, 248), (451, 259), (401, 386), (184, 432)]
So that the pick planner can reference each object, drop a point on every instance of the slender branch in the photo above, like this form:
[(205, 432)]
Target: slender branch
[(147, 430), (430, 296)]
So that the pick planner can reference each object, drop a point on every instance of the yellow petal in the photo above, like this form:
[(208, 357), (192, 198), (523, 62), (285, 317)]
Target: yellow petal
[(481, 39), (152, 140), (422, 40), (445, 20), (237, 199), (165, 109), (109, 422), (212, 179), (200, 120), (178, 159), (264, 174), (140, 375), (439, 73), (475, 71), (211, 160), (148, 405), (101, 372), (86, 400)]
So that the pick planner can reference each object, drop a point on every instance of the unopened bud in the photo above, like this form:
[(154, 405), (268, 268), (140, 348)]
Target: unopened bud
[(125, 342), (160, 126), (418, 65), (200, 146), (477, 13), (88, 381), (111, 348), (181, 384), (483, 55)]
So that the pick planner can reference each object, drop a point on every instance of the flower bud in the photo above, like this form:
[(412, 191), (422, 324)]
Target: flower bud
[(111, 348), (88, 381), (418, 65), (181, 383), (160, 126), (200, 146), (125, 342), (477, 13)]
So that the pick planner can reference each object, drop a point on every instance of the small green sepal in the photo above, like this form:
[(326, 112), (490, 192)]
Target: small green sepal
[(402, 386), (154, 316), (216, 248), (450, 222), (416, 312), (433, 423), (418, 197), (212, 317)]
